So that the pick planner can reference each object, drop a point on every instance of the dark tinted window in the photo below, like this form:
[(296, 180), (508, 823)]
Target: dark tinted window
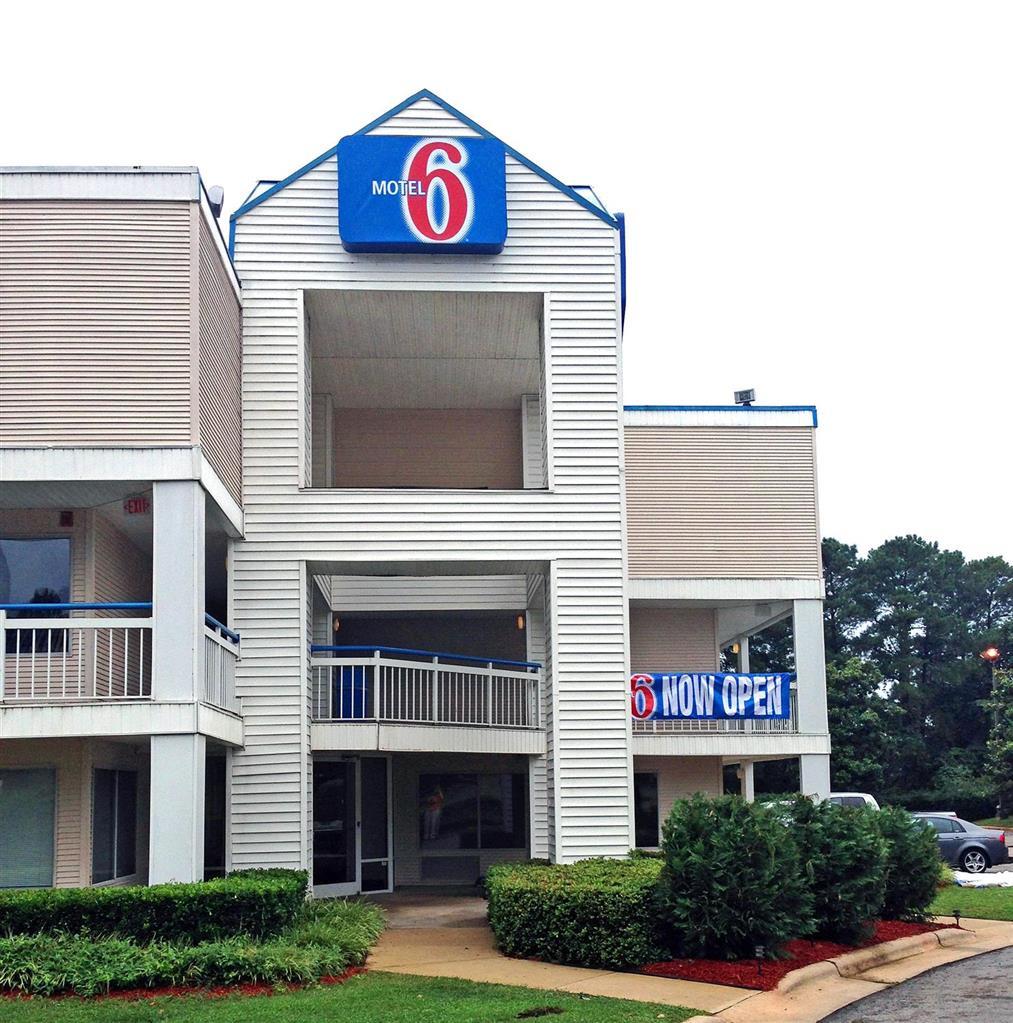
[(34, 571), (944, 825), (645, 812), (114, 825)]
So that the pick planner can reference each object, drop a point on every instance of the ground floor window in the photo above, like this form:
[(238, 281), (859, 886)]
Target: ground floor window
[(645, 807), (472, 811), (27, 825), (114, 825)]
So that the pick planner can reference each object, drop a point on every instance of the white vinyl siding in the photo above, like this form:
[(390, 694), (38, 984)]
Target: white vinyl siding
[(556, 247)]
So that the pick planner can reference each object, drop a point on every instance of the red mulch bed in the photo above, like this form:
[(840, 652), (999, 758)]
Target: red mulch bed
[(144, 994), (744, 972)]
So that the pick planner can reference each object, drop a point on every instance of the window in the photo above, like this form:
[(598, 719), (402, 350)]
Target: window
[(944, 825), (27, 816), (645, 810), (34, 571), (472, 811), (114, 825)]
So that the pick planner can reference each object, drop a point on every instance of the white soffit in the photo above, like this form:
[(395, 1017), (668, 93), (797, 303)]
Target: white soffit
[(425, 349)]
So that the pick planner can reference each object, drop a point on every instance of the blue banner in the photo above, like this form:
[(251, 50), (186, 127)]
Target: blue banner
[(710, 695), (399, 193)]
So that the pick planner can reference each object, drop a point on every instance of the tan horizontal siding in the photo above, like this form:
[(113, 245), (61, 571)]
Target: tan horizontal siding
[(672, 639), (95, 323), (469, 448), (721, 502), (221, 368)]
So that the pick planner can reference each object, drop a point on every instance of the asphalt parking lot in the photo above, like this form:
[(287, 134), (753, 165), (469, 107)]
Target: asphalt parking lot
[(977, 988)]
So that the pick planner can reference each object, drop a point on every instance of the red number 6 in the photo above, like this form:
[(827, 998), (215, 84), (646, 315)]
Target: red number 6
[(436, 163)]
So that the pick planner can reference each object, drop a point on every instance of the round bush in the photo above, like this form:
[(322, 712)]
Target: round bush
[(844, 859), (731, 880), (913, 866), (596, 913)]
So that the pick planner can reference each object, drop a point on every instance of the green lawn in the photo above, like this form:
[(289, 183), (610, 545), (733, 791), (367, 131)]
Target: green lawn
[(996, 822), (980, 903), (368, 998)]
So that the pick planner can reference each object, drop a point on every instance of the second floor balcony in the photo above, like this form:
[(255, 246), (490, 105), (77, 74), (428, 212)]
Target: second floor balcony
[(398, 685)]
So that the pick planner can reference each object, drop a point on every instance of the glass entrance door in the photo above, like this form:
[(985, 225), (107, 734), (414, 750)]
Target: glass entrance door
[(335, 862), (351, 826)]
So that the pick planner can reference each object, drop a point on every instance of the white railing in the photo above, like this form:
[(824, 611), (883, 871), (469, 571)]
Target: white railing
[(66, 659), (220, 656), (711, 726), (421, 687)]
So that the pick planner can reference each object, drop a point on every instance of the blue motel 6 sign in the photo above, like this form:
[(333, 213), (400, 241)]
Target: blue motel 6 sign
[(665, 697), (411, 194)]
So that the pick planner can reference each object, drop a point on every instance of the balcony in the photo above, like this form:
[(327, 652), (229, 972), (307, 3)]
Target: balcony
[(407, 700), (422, 687), (98, 653)]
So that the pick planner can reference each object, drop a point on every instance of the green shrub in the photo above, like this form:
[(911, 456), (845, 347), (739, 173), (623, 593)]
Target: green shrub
[(597, 913), (912, 868), (731, 880), (254, 903), (326, 939), (844, 859)]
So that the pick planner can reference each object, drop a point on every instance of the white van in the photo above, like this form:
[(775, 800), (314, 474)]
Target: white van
[(853, 799)]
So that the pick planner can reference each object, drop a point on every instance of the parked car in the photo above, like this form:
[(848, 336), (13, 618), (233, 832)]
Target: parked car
[(854, 799), (967, 846)]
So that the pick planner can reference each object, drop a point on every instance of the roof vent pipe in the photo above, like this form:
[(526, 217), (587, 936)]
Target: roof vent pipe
[(216, 200)]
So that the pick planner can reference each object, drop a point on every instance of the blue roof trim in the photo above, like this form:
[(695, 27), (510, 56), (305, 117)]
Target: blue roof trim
[(279, 185), (404, 104), (724, 408), (519, 157), (621, 219)]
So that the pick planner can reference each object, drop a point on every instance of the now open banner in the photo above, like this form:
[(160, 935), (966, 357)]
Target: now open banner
[(681, 695)]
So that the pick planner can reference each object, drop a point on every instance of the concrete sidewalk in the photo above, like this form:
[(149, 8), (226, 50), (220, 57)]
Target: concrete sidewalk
[(449, 937)]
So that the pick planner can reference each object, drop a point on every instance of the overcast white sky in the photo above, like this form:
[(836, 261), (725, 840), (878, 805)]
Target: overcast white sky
[(819, 196)]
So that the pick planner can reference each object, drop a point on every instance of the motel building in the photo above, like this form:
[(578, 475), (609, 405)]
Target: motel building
[(326, 540)]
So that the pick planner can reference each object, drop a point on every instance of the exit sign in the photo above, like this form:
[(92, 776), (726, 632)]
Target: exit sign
[(139, 505)]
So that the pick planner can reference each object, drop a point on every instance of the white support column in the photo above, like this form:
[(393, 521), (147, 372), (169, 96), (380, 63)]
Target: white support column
[(746, 775), (743, 642), (810, 666), (814, 774), (176, 836), (178, 590), (810, 669)]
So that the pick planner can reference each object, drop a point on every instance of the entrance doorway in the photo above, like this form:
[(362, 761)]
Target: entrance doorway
[(351, 826)]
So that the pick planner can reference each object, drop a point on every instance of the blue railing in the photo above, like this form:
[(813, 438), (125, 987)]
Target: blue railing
[(123, 605), (213, 623), (96, 606), (319, 648)]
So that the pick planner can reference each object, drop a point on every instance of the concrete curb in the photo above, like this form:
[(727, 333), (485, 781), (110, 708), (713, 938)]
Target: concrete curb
[(853, 963)]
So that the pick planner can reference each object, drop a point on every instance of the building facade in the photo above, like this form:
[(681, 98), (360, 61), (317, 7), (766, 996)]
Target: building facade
[(337, 549)]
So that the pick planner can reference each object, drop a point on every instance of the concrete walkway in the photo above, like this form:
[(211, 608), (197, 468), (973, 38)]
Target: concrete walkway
[(447, 935)]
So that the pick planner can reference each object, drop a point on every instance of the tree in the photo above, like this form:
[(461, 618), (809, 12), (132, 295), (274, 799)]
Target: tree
[(842, 616), (863, 723), (1000, 740)]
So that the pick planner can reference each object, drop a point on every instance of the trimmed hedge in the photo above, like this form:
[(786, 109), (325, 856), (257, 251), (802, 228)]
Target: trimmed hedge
[(731, 880), (843, 856), (913, 867), (257, 903), (596, 913), (326, 939)]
